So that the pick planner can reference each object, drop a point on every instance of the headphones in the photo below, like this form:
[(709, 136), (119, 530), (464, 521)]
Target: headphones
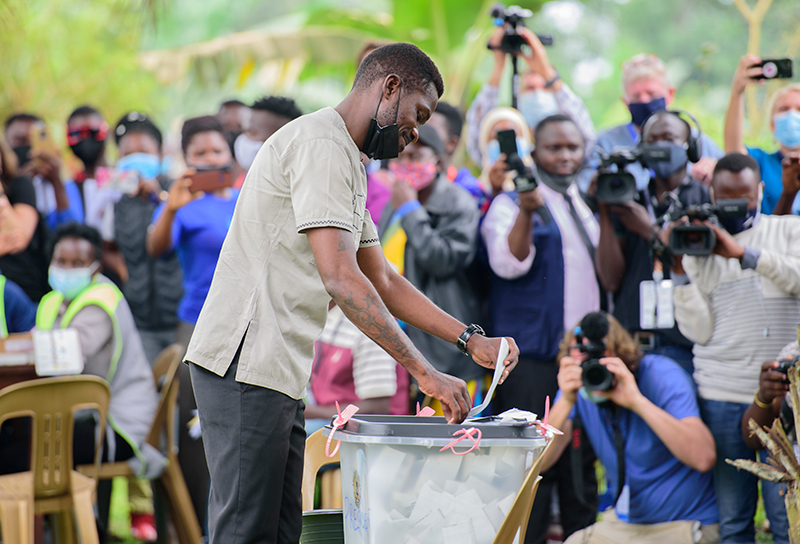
[(694, 145)]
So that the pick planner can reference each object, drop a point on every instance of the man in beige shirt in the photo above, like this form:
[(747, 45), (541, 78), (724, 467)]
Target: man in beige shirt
[(299, 237)]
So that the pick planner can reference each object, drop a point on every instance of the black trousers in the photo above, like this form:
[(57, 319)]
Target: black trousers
[(254, 440), (532, 382)]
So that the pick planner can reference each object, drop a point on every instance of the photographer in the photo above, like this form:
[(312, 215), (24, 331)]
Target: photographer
[(648, 89), (627, 231), (780, 171), (540, 245), (647, 429), (740, 308), (542, 92)]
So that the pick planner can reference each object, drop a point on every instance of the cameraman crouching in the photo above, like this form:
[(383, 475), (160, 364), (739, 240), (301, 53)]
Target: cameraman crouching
[(647, 432)]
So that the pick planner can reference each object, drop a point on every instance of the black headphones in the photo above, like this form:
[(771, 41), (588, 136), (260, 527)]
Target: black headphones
[(694, 145)]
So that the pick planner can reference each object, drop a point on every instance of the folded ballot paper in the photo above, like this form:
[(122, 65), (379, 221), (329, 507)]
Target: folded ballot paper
[(400, 485)]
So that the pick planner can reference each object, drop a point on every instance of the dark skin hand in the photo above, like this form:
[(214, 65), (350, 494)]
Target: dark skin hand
[(772, 386), (367, 289)]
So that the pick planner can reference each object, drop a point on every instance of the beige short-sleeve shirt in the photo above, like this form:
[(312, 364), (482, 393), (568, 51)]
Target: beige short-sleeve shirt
[(266, 284)]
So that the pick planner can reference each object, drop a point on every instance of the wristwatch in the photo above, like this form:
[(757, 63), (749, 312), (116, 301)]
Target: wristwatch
[(461, 343), (552, 82)]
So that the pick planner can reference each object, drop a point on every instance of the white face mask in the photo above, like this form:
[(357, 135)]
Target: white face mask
[(245, 150), (536, 105)]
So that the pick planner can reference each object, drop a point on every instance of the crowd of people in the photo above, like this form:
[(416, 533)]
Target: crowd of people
[(125, 254)]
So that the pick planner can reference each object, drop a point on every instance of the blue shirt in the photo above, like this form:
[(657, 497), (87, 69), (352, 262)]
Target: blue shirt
[(661, 487), (73, 213), (198, 231), (20, 311), (772, 176)]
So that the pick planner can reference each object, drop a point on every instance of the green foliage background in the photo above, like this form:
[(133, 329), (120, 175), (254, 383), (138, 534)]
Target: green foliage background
[(58, 54)]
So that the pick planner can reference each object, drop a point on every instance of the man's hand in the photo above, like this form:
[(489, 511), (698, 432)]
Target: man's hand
[(452, 392), (726, 245), (771, 383), (570, 377), (790, 168), (497, 174), (537, 61), (498, 54), (626, 393), (402, 192), (484, 352), (47, 165), (147, 188), (530, 201), (635, 218), (703, 169), (744, 73)]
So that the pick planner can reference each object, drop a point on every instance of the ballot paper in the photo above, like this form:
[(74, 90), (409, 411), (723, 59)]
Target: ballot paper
[(57, 352), (498, 372)]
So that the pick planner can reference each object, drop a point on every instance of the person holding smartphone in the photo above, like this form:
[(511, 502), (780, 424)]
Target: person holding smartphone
[(780, 170), (193, 222)]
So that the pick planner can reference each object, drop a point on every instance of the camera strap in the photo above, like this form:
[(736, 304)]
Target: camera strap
[(576, 456), (579, 224), (619, 446)]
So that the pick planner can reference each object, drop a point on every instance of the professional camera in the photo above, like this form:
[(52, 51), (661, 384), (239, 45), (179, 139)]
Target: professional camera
[(620, 186), (593, 328), (785, 364), (700, 239), (513, 17)]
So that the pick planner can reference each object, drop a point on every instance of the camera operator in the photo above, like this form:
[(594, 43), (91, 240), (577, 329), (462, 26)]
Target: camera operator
[(627, 232), (740, 308), (768, 401), (645, 429), (780, 170), (648, 89), (540, 245), (542, 92)]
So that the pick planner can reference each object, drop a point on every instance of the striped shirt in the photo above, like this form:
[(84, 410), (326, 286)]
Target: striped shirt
[(740, 318)]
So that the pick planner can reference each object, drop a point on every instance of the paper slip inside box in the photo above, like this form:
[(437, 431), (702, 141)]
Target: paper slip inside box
[(57, 352)]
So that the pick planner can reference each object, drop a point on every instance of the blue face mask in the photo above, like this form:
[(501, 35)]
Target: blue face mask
[(148, 166), (536, 105), (787, 128), (735, 225), (677, 160), (71, 281), (493, 149), (641, 111)]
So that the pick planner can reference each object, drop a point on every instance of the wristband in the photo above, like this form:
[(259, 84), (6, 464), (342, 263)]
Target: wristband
[(759, 403), (461, 343), (553, 81)]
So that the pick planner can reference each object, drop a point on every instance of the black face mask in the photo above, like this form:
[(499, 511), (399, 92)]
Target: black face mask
[(88, 150), (382, 142), (22, 153)]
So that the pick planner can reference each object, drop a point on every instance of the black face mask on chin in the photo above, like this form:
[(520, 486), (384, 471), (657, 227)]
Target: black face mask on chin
[(88, 151), (22, 153), (382, 142)]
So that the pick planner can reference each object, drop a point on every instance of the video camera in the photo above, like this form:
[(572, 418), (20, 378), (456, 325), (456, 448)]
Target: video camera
[(785, 364), (525, 179), (593, 328), (513, 17), (620, 186), (700, 239)]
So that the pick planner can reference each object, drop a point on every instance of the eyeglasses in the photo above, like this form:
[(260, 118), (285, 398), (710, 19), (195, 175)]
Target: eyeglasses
[(78, 132)]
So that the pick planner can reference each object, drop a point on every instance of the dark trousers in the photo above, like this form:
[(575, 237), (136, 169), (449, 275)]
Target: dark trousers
[(254, 440), (531, 382)]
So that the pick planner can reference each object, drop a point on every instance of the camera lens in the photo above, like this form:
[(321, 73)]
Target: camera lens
[(769, 70), (597, 377)]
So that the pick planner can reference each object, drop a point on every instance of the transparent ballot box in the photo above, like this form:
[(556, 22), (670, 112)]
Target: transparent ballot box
[(399, 486)]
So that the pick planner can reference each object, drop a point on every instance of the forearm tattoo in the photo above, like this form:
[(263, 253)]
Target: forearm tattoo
[(372, 317)]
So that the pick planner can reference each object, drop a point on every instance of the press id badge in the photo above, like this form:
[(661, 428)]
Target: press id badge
[(656, 310), (57, 352)]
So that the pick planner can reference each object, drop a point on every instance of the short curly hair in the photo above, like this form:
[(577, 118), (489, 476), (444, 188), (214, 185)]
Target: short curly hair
[(279, 105), (415, 68), (81, 232)]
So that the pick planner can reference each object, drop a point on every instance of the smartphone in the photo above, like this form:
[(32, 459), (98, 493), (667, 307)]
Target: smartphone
[(41, 140), (508, 143), (774, 69), (210, 180)]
